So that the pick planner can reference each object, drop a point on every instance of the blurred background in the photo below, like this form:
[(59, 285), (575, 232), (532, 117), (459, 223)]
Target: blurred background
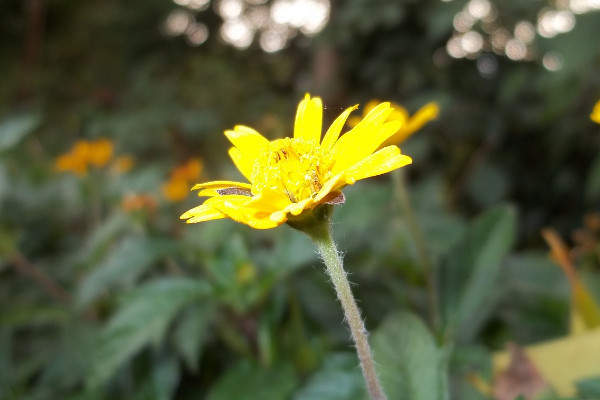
[(111, 110)]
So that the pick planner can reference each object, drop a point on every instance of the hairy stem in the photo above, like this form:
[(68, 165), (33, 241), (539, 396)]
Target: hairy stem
[(327, 249)]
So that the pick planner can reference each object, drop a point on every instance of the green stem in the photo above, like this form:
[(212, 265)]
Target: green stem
[(333, 262), (401, 194)]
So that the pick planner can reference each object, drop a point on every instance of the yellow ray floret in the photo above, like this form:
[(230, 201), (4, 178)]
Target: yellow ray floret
[(408, 125), (292, 176), (595, 115)]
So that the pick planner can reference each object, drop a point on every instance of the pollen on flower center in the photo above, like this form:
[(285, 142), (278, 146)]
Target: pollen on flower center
[(296, 167)]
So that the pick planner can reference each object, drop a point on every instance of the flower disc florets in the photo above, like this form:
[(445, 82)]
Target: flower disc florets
[(296, 167), (298, 179)]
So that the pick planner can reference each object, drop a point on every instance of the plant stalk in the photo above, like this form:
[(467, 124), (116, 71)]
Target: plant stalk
[(401, 193), (326, 246)]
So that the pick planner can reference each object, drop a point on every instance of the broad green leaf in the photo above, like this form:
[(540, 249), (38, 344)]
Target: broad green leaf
[(247, 381), (190, 333), (487, 185), (5, 361), (589, 388), (14, 129), (36, 315), (339, 378), (143, 319), (102, 236), (290, 251), (66, 364), (592, 185), (123, 266), (536, 297), (469, 278), (165, 377), (159, 381), (471, 370), (94, 394), (408, 361)]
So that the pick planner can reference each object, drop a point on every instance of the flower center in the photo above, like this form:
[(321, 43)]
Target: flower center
[(295, 167)]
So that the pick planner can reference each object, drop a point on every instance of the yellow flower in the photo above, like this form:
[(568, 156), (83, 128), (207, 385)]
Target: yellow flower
[(292, 176), (190, 171), (409, 125), (99, 152), (595, 115), (83, 154), (123, 164), (134, 202), (180, 179)]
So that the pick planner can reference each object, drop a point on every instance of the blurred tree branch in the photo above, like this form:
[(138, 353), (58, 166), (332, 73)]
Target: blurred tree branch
[(53, 289)]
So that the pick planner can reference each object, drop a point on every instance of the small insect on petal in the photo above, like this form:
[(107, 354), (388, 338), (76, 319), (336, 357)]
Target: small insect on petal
[(235, 190)]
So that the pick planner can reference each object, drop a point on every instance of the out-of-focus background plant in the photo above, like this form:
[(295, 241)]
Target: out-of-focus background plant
[(110, 111)]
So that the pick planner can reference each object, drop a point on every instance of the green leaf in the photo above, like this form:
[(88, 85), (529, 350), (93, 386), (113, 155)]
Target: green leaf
[(469, 279), (409, 363), (123, 266), (143, 318), (5, 361), (14, 129), (488, 184), (107, 232), (165, 377), (247, 381), (592, 185), (190, 333), (588, 388), (339, 378)]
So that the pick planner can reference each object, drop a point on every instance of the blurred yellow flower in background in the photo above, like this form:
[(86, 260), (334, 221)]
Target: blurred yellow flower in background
[(292, 176), (595, 115), (123, 164), (138, 201), (84, 154), (100, 152), (181, 178), (409, 125)]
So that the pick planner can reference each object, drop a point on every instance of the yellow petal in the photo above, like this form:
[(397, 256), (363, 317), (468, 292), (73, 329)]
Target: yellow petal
[(244, 163), (371, 104), (309, 119), (362, 141), (335, 183), (249, 141), (236, 210), (595, 115), (280, 216), (202, 213), (399, 114), (333, 133), (297, 208), (424, 115), (383, 161), (269, 200), (221, 185)]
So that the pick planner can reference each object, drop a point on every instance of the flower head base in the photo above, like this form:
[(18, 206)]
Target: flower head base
[(291, 177)]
